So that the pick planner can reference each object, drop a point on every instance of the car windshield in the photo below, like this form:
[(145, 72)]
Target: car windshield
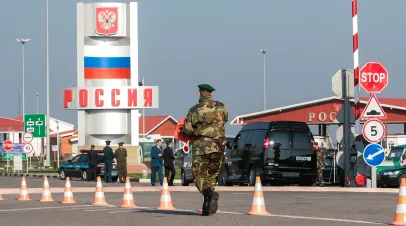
[(395, 153), (302, 140)]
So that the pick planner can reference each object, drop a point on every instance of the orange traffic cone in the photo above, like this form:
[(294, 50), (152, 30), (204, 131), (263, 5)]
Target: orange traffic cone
[(99, 199), (400, 215), (128, 199), (46, 192), (24, 191), (67, 194), (166, 201), (258, 202)]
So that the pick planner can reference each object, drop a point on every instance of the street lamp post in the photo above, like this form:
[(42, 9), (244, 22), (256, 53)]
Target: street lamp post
[(48, 145), (263, 51), (57, 142), (23, 42), (38, 139)]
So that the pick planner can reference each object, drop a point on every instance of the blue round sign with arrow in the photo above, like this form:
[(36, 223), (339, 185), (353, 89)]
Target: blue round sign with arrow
[(374, 154)]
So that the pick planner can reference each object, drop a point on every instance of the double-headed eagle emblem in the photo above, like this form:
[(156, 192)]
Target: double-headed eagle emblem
[(107, 19)]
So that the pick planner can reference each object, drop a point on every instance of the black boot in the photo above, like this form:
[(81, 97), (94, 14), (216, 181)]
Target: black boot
[(207, 201), (214, 203)]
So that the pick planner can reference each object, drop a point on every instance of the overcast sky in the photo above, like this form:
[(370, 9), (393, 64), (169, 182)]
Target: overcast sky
[(183, 43)]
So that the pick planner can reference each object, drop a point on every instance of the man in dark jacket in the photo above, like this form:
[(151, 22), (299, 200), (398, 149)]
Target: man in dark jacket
[(108, 162), (168, 162), (93, 161)]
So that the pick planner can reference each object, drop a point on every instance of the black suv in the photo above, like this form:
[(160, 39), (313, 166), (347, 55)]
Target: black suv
[(253, 153)]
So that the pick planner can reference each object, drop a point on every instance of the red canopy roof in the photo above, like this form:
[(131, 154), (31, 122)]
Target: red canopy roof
[(11, 125)]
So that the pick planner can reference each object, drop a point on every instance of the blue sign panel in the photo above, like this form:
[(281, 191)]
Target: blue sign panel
[(17, 147), (374, 154)]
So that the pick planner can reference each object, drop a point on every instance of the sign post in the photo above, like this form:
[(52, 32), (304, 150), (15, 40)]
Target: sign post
[(35, 124), (374, 79), (7, 146), (28, 148), (342, 88)]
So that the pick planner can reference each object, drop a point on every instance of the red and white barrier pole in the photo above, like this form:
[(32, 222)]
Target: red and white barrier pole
[(356, 65)]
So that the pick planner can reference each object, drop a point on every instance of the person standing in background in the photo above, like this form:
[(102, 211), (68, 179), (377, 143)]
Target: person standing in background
[(121, 158), (108, 162), (156, 162), (169, 158), (93, 161)]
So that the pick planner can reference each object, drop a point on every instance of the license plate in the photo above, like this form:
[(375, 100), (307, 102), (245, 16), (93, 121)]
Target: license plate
[(113, 174), (303, 158), (290, 174)]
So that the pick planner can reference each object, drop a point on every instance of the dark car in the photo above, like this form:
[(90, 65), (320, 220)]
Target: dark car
[(186, 171), (391, 177), (252, 154), (79, 166)]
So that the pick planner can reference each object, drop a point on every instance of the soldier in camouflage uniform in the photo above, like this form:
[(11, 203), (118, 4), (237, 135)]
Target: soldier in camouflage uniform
[(321, 162), (205, 122)]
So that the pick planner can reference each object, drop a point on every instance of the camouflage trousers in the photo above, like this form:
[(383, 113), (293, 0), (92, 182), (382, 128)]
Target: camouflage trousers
[(205, 170), (320, 175)]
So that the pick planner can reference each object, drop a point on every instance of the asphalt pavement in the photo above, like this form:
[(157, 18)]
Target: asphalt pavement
[(285, 208)]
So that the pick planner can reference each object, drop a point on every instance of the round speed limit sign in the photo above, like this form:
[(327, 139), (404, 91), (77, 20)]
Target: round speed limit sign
[(28, 148), (373, 130)]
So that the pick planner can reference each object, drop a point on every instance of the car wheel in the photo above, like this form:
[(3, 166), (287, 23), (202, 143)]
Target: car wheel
[(183, 178), (114, 179), (84, 175), (223, 177), (251, 176), (62, 175)]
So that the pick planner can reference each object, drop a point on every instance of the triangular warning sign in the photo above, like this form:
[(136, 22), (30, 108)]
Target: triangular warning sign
[(373, 109)]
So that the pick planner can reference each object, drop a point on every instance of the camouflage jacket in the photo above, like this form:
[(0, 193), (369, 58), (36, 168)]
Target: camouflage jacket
[(321, 158), (206, 119)]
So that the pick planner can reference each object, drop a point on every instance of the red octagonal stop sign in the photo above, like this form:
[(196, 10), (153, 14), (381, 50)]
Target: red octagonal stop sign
[(8, 145), (373, 77)]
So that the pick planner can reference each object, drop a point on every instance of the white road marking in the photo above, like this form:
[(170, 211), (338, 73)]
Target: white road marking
[(124, 211), (98, 208), (110, 207), (269, 215), (314, 197), (326, 219), (239, 193), (41, 208), (101, 209), (82, 208)]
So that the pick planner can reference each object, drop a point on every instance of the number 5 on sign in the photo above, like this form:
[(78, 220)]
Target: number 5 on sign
[(374, 130)]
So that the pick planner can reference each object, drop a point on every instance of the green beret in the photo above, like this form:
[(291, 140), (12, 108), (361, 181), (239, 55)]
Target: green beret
[(206, 87), (121, 143)]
